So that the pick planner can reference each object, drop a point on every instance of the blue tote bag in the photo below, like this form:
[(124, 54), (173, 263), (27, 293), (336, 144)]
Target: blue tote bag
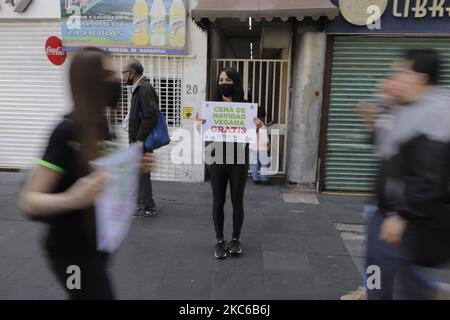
[(159, 137)]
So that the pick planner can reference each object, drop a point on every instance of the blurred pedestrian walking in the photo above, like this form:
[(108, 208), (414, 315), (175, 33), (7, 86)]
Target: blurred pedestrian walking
[(64, 187), (411, 226)]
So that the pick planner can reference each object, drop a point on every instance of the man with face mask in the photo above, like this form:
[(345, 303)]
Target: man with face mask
[(142, 121), (411, 225)]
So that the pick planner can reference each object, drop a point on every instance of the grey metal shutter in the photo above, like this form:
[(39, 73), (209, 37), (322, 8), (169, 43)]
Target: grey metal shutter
[(359, 63), (31, 91)]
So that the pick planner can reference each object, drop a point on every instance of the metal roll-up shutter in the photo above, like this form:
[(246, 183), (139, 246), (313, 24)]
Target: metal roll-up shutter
[(31, 91), (359, 63), (166, 75)]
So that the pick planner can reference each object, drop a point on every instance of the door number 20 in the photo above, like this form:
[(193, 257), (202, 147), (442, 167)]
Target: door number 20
[(191, 89)]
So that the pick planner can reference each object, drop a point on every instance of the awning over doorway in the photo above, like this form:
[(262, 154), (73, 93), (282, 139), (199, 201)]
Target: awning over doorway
[(264, 9)]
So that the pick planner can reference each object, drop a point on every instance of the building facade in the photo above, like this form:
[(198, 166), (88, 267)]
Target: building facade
[(308, 63), (358, 57), (35, 94)]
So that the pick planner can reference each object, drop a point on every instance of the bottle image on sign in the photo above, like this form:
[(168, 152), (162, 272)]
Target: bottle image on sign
[(140, 23), (177, 23), (158, 24)]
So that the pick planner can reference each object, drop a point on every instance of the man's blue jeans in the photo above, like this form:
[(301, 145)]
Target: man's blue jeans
[(397, 272)]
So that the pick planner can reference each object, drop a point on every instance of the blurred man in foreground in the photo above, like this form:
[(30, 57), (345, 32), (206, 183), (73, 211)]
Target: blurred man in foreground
[(411, 226)]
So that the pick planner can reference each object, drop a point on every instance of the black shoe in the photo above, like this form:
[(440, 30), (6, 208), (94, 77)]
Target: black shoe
[(143, 213), (235, 247), (221, 252), (153, 211), (257, 182)]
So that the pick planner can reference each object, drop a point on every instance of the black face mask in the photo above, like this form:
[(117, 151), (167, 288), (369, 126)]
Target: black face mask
[(113, 89), (129, 81), (226, 89)]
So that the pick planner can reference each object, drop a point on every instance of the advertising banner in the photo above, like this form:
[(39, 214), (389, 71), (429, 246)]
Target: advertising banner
[(125, 26), (390, 17)]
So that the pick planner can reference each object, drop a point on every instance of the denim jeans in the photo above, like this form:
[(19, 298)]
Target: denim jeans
[(260, 162), (400, 279)]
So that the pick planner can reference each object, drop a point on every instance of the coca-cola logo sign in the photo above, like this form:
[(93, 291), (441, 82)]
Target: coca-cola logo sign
[(55, 51)]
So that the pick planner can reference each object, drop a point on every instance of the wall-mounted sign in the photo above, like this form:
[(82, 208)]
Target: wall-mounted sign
[(126, 26), (187, 112), (55, 51), (393, 16), (359, 12)]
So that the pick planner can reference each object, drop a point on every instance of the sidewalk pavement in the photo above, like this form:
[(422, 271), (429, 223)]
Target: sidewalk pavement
[(291, 250)]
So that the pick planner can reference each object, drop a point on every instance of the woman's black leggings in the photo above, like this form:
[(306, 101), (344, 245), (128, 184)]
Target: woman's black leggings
[(220, 175), (94, 281)]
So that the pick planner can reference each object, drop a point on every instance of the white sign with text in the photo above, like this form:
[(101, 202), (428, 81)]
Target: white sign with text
[(229, 122), (116, 206)]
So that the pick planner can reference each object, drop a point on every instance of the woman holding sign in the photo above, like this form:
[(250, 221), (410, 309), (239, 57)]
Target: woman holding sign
[(64, 187), (230, 164)]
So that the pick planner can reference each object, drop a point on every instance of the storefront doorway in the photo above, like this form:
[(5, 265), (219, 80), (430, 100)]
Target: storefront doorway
[(266, 83)]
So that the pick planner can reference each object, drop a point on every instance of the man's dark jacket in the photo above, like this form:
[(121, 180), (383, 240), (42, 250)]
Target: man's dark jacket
[(144, 99), (413, 180)]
